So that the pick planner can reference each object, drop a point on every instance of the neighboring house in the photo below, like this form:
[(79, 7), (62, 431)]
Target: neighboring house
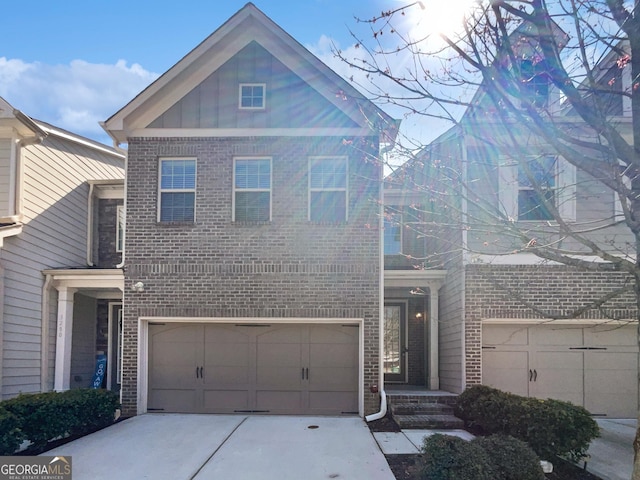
[(253, 262), (59, 280), (508, 318)]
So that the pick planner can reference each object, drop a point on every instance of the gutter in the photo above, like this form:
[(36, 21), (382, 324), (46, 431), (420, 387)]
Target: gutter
[(383, 396), (90, 226)]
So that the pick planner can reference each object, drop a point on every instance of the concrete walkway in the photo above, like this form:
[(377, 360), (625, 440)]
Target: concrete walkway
[(202, 447), (612, 453)]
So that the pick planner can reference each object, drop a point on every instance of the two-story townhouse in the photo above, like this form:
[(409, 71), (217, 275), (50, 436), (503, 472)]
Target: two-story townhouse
[(508, 318), (57, 283), (253, 262)]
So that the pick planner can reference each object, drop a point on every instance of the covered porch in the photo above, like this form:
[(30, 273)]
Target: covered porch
[(84, 310)]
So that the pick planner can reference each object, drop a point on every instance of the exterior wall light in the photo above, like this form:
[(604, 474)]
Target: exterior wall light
[(137, 287)]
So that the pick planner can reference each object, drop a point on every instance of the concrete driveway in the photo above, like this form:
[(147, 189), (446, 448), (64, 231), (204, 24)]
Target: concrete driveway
[(199, 447), (612, 453)]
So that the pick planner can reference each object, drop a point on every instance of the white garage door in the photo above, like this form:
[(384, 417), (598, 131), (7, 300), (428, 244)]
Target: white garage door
[(595, 367), (276, 369)]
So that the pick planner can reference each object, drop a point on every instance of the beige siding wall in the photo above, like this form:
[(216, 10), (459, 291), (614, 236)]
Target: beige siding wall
[(54, 236), (5, 176)]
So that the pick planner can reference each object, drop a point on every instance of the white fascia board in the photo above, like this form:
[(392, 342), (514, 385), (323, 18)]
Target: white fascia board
[(247, 132), (86, 278), (414, 278)]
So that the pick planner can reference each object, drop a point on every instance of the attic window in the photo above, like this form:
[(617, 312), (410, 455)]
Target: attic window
[(252, 96)]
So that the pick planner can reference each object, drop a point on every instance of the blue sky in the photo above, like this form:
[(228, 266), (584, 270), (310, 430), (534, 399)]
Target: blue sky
[(75, 63)]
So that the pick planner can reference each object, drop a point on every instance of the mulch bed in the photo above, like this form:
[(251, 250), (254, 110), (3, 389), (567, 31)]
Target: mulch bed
[(405, 467)]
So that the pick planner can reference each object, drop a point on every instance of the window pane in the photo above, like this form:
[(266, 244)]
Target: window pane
[(177, 207), (541, 170), (120, 229), (329, 173), (253, 174), (392, 345), (177, 174), (328, 206), (252, 207), (530, 206), (252, 96), (392, 237)]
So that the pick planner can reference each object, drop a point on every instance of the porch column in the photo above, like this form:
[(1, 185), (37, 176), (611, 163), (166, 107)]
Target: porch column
[(434, 379), (64, 331)]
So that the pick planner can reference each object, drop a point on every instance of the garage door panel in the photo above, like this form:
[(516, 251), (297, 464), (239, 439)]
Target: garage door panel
[(280, 354), (173, 400), (607, 335), (610, 383), (506, 371), (282, 334), (333, 334), (226, 400), (323, 403), (280, 401), (559, 375), (556, 335), (279, 377), (222, 376), (505, 335)]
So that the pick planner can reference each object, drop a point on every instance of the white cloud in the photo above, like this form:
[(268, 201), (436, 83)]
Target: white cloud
[(75, 96)]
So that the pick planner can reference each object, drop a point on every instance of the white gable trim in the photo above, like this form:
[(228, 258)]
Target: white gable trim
[(247, 132)]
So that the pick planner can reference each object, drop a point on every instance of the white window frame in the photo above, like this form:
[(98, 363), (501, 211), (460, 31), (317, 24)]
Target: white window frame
[(264, 96), (120, 228), (176, 190), (257, 190), (565, 188), (345, 189)]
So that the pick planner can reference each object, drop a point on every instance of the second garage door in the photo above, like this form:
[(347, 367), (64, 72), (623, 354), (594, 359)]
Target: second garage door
[(595, 367), (233, 368)]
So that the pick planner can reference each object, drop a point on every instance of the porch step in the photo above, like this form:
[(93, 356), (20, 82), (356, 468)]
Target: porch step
[(421, 409), (439, 422)]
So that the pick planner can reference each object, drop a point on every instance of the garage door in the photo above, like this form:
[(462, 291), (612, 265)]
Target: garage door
[(595, 367), (276, 369)]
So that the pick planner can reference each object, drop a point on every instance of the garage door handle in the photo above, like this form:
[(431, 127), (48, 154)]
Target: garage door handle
[(305, 373), (530, 374), (197, 372), (535, 375)]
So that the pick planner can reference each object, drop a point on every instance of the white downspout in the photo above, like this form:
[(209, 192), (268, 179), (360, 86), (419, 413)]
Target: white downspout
[(124, 227), (44, 359), (90, 226), (383, 395)]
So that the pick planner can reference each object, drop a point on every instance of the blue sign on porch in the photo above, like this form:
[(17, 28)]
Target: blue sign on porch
[(101, 368)]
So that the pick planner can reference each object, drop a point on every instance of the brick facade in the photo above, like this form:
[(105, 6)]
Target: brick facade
[(108, 257), (287, 268), (540, 292)]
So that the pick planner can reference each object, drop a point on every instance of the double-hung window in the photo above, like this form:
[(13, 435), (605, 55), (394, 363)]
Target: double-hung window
[(252, 96), (252, 190), (328, 189), (177, 190), (537, 188), (533, 187)]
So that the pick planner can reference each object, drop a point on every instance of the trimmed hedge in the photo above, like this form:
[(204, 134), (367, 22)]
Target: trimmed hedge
[(42, 417), (512, 459), (497, 457), (452, 458), (550, 427), (10, 434)]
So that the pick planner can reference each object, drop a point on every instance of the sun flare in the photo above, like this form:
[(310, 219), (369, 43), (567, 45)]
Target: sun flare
[(430, 18)]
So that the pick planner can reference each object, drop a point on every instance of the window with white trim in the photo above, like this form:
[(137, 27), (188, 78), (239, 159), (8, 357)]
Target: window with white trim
[(120, 228), (393, 234), (252, 96), (531, 188), (252, 190), (328, 189), (177, 192)]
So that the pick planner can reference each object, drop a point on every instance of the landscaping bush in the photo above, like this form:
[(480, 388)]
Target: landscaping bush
[(452, 458), (45, 416), (512, 459), (10, 434), (550, 427)]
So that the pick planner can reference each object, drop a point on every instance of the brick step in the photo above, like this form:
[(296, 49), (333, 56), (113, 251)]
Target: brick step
[(428, 421), (421, 409)]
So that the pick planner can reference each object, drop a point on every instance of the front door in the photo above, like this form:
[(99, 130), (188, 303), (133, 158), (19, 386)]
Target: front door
[(394, 342)]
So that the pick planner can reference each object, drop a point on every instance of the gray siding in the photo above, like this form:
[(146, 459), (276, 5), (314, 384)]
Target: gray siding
[(54, 236), (290, 102), (5, 176), (451, 332)]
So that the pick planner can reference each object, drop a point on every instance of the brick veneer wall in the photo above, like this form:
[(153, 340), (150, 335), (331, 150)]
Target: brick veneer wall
[(286, 268), (535, 291), (107, 219)]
